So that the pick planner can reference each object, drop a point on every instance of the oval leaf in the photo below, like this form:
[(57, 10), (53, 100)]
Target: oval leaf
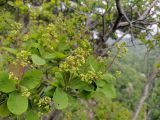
[(60, 99), (31, 79), (17, 104), (6, 85), (108, 90), (38, 60)]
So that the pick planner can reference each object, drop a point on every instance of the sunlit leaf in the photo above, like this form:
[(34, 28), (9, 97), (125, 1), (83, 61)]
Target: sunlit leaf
[(60, 99), (108, 90), (16, 103), (38, 60), (31, 79)]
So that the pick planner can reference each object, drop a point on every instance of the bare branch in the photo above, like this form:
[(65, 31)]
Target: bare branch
[(132, 35), (144, 15), (120, 38), (141, 18), (120, 15)]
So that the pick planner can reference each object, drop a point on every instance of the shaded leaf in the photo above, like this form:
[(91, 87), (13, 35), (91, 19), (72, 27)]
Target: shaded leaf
[(48, 91), (59, 77), (6, 85), (78, 84), (4, 112), (60, 99)]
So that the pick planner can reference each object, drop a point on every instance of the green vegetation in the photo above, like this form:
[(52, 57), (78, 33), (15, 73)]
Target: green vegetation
[(53, 67)]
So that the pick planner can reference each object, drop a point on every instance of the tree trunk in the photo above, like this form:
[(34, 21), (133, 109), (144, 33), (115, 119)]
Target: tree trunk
[(144, 96)]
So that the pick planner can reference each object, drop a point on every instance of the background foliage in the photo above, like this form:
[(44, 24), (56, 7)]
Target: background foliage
[(53, 66)]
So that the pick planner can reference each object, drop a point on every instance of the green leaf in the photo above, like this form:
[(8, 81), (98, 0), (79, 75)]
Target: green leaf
[(78, 84), (62, 46), (49, 56), (59, 77), (63, 78), (31, 79), (48, 91), (108, 90), (59, 55), (53, 1), (4, 112), (17, 104), (54, 55), (38, 60), (100, 83), (108, 77), (32, 115), (11, 50), (6, 85), (86, 94), (96, 65), (92, 62), (10, 3), (60, 99)]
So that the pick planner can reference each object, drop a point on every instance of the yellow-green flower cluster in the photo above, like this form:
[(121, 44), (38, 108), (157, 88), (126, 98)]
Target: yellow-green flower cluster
[(121, 48), (158, 65), (85, 43), (90, 76), (44, 102), (13, 76), (80, 51), (101, 59), (25, 37), (49, 37), (76, 60), (109, 53), (125, 50), (120, 45), (23, 54), (123, 114), (17, 25), (48, 42), (122, 52), (40, 114), (25, 92), (52, 30), (68, 116), (23, 58), (15, 31), (118, 73)]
